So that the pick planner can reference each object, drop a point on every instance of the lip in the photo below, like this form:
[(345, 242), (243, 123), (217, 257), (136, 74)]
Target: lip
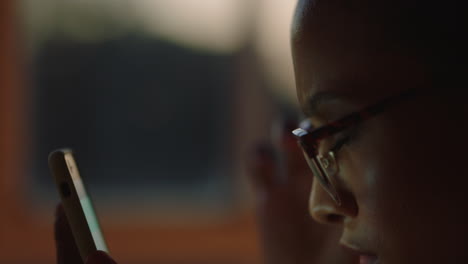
[(365, 256)]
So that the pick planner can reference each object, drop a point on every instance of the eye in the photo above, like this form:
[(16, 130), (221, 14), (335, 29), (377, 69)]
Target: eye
[(340, 143), (343, 140)]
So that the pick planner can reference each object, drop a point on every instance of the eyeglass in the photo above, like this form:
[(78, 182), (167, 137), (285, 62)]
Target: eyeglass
[(325, 166)]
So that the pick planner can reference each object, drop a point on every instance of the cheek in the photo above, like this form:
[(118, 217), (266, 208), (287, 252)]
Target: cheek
[(365, 169), (395, 178), (406, 191), (389, 168), (382, 190)]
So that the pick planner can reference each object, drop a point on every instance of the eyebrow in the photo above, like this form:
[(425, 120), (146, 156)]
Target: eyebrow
[(314, 102)]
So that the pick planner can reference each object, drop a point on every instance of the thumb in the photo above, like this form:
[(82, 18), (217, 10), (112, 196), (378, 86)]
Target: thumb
[(99, 257), (67, 251)]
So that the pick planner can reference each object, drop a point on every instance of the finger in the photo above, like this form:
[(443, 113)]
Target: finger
[(67, 251), (100, 257)]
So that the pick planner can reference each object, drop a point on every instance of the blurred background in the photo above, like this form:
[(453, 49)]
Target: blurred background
[(162, 102)]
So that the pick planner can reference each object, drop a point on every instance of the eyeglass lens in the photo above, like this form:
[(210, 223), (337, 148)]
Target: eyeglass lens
[(324, 168)]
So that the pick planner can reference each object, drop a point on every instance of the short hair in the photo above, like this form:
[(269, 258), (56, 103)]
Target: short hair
[(433, 31)]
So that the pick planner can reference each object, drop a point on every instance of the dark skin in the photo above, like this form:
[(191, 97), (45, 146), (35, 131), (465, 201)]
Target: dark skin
[(286, 228), (402, 176), (289, 235), (404, 193)]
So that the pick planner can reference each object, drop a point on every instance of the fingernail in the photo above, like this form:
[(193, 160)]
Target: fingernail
[(99, 257)]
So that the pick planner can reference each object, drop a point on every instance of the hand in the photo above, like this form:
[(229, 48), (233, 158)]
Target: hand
[(67, 251), (282, 182)]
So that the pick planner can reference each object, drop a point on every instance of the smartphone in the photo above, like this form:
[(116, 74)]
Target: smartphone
[(76, 203)]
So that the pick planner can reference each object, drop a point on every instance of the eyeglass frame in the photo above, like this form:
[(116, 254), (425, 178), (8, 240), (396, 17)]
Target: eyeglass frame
[(309, 140)]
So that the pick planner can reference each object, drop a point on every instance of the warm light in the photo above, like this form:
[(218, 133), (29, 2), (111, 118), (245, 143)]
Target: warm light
[(210, 24), (215, 25), (274, 20)]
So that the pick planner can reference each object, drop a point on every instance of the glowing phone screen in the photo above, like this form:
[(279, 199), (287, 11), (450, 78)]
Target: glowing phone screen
[(86, 205)]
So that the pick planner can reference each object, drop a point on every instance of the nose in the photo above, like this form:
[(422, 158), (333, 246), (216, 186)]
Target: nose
[(326, 211)]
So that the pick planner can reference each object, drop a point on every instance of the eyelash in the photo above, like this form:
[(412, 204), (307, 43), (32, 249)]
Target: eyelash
[(345, 140)]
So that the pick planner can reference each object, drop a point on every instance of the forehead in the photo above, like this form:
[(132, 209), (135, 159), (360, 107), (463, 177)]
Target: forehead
[(341, 47)]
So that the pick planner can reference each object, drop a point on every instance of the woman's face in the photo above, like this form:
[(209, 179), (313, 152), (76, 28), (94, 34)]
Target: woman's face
[(402, 174)]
